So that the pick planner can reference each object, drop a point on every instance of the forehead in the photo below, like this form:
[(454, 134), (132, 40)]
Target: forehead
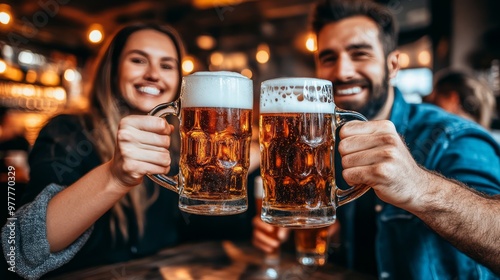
[(349, 31), (149, 40)]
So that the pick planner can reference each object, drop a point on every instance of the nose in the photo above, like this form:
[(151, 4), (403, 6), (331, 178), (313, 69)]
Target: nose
[(152, 73), (344, 68)]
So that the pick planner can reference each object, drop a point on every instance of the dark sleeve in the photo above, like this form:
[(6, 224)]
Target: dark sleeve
[(61, 154), (18, 143)]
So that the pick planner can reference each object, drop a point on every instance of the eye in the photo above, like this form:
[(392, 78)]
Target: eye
[(360, 54), (138, 60), (168, 66), (328, 59)]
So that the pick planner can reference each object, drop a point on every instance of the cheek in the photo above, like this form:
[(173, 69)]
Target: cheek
[(128, 72), (323, 72), (375, 72), (171, 79), (123, 77)]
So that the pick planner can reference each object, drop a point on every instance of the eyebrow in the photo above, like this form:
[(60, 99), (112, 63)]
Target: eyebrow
[(166, 58), (349, 48)]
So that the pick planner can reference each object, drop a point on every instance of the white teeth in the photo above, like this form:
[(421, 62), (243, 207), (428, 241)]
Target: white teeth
[(149, 90), (349, 91)]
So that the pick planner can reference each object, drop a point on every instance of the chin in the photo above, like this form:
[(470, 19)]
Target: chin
[(349, 103)]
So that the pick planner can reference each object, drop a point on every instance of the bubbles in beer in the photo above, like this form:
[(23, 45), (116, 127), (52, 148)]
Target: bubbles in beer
[(214, 152), (297, 172)]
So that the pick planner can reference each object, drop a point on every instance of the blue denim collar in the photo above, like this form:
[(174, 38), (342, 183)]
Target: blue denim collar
[(400, 113)]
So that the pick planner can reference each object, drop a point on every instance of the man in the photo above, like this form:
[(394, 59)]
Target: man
[(394, 153)]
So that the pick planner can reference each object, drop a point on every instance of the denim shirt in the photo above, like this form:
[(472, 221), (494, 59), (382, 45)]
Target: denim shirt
[(405, 247)]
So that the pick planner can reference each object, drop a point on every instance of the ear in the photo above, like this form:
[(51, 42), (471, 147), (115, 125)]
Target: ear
[(393, 64), (454, 99), (449, 101)]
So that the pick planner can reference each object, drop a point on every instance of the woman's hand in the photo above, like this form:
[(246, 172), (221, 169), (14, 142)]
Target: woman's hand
[(266, 237), (142, 148)]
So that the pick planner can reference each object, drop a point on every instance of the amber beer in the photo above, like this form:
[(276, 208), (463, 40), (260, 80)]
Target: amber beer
[(216, 118), (215, 113), (297, 141), (311, 245), (215, 152)]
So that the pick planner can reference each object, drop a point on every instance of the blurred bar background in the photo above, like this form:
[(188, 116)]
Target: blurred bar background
[(47, 46)]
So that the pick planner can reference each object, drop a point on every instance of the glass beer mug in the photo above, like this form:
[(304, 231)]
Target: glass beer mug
[(300, 165), (215, 113)]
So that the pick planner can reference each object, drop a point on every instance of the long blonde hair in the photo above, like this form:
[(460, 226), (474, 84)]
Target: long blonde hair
[(107, 107)]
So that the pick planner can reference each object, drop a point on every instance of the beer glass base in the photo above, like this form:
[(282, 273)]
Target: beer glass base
[(212, 207), (297, 219), (311, 259)]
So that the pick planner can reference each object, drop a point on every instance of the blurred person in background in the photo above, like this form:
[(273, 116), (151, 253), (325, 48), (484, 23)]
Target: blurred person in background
[(14, 149), (462, 94), (88, 202), (416, 157)]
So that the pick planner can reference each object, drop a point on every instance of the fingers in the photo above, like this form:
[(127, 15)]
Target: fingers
[(365, 143), (143, 139), (265, 242), (267, 237), (142, 148), (334, 228), (147, 123), (371, 127)]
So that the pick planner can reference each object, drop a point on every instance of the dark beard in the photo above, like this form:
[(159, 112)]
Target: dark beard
[(377, 99)]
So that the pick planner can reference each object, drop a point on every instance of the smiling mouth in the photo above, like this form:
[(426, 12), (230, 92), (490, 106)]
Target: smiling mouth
[(149, 90), (348, 90)]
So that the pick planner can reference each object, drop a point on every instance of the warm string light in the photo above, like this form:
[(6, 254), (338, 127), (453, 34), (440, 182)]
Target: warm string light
[(216, 59), (95, 34), (424, 58), (262, 56), (5, 14), (3, 66), (404, 60), (205, 42), (4, 18), (188, 65), (247, 73), (311, 42)]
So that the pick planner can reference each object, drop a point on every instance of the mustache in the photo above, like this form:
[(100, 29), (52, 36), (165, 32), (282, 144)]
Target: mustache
[(358, 82)]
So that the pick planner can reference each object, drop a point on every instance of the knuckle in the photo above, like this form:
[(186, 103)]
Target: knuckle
[(387, 125), (161, 123), (390, 139), (380, 170), (342, 147), (346, 160), (123, 135), (388, 154)]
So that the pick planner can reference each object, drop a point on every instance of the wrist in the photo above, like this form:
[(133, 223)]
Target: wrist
[(434, 191), (116, 184)]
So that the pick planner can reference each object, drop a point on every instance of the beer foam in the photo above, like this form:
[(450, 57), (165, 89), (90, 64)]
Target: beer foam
[(217, 89), (296, 95)]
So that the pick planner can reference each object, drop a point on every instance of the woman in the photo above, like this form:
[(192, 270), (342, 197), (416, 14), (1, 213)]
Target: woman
[(88, 202)]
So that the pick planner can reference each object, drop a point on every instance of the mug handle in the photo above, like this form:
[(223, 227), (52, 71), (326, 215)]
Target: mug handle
[(163, 110), (343, 192)]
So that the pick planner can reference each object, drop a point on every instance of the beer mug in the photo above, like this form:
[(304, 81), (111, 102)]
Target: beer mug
[(215, 114), (311, 245), (300, 164)]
